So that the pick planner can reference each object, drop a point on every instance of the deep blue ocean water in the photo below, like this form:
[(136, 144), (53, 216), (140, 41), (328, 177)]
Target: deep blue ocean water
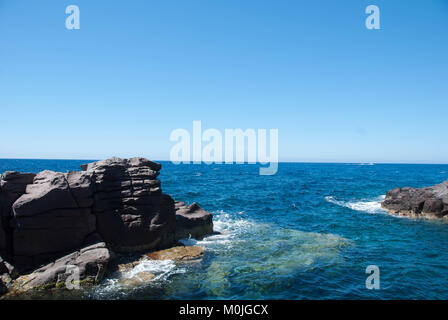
[(308, 232)]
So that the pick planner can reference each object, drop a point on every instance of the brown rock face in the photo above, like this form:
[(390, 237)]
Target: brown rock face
[(427, 202), (179, 253)]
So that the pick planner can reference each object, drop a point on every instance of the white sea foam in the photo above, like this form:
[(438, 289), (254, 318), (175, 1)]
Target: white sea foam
[(229, 227), (162, 269), (369, 206), (227, 223)]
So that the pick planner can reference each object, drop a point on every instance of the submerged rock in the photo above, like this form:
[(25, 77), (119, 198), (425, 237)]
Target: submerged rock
[(192, 221), (125, 267), (139, 279), (179, 253), (427, 202)]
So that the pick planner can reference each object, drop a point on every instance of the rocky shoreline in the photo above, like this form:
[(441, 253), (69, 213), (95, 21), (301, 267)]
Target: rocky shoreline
[(427, 202), (52, 223)]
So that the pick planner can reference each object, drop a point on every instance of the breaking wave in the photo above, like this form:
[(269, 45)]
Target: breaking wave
[(162, 269), (369, 206), (117, 286), (228, 228)]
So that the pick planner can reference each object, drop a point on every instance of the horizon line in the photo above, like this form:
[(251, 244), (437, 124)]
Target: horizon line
[(283, 161)]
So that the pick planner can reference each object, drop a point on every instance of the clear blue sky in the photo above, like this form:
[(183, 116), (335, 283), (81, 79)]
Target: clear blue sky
[(136, 70)]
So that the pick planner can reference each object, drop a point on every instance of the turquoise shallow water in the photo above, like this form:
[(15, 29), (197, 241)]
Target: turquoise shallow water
[(308, 232)]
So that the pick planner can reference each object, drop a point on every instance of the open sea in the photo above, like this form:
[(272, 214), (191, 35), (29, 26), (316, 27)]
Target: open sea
[(308, 232)]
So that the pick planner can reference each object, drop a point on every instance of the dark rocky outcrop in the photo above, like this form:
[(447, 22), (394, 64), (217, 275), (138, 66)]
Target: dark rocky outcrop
[(2, 240), (192, 221), (112, 204), (12, 186), (82, 268), (132, 213), (427, 202)]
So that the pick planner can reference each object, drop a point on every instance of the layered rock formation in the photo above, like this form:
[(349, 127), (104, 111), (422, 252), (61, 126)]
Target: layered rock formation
[(132, 213), (427, 202), (115, 204)]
